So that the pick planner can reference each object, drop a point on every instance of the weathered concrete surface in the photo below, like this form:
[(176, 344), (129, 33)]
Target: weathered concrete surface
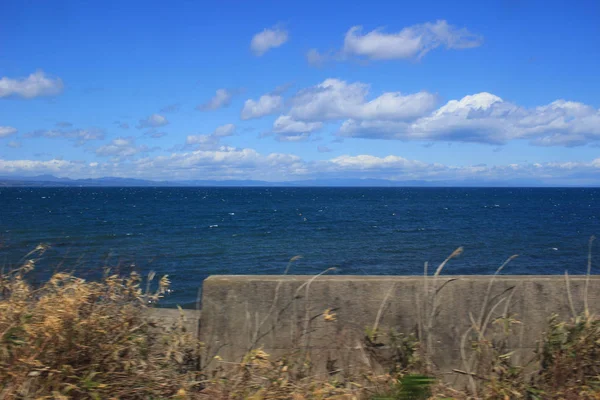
[(283, 313), (169, 317)]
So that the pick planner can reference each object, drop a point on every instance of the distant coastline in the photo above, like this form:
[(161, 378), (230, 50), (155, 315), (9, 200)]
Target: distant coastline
[(53, 181)]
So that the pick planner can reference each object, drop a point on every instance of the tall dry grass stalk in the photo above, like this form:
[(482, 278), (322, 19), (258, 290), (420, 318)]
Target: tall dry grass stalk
[(570, 295), (382, 307), (587, 279), (307, 309), (255, 336), (479, 326), (427, 306)]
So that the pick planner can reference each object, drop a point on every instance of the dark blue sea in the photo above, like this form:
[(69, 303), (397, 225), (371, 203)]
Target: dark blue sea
[(190, 233)]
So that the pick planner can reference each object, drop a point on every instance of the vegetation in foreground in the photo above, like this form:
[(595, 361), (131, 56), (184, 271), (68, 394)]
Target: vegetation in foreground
[(74, 339)]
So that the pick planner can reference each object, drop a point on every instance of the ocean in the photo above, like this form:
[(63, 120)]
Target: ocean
[(190, 233)]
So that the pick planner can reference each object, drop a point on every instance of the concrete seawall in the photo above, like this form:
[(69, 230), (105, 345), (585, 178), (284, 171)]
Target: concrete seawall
[(328, 317)]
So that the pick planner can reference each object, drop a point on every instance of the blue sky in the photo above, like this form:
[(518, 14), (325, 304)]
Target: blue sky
[(487, 91)]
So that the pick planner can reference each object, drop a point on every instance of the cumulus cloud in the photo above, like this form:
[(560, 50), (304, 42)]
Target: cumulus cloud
[(266, 105), (121, 148), (13, 144), (79, 136), (268, 39), (290, 130), (336, 99), (210, 141), (222, 98), (224, 130), (153, 121), (324, 149), (64, 124), (486, 118), (412, 42), (477, 118), (35, 85), (6, 131)]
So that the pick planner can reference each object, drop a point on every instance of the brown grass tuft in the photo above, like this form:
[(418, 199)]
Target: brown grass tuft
[(88, 340)]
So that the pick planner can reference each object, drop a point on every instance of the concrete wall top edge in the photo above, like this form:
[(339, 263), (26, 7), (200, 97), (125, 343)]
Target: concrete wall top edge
[(388, 278)]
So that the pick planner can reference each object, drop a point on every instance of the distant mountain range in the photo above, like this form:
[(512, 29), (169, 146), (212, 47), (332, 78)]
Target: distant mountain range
[(53, 181)]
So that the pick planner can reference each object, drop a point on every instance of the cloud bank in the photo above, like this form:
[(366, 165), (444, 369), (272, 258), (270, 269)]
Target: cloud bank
[(232, 163)]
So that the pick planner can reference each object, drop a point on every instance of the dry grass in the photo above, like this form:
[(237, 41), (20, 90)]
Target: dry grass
[(75, 339)]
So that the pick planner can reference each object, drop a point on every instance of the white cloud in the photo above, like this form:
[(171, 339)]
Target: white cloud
[(379, 45), (121, 148), (6, 131), (14, 144), (399, 168), (409, 43), (202, 140), (34, 167), (79, 136), (390, 167), (285, 124), (324, 149), (153, 121), (414, 41), (486, 118), (212, 141), (365, 162), (222, 98), (224, 130), (266, 105), (224, 163), (336, 99), (35, 85), (477, 118), (291, 130), (268, 39)]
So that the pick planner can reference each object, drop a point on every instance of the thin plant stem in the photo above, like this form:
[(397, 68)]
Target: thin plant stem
[(587, 278)]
